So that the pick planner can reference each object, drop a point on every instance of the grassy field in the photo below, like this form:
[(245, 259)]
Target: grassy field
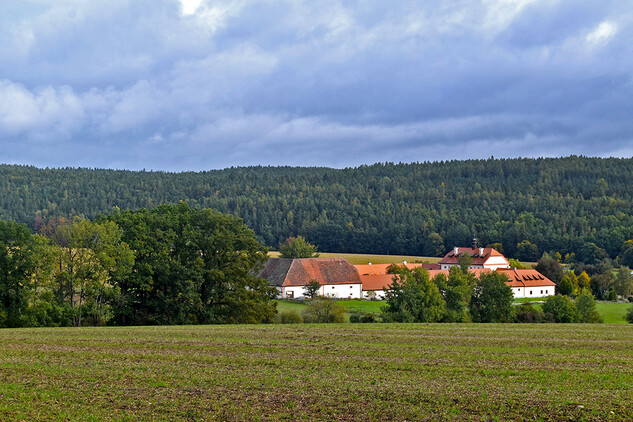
[(613, 312), (328, 372), (351, 306), (360, 259)]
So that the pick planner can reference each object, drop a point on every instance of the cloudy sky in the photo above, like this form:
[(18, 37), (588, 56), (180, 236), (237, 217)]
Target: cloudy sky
[(201, 84)]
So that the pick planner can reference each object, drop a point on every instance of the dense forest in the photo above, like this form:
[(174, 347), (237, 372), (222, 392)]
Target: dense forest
[(569, 205)]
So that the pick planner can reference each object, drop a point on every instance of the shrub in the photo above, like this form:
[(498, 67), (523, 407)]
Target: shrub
[(528, 313), (612, 295), (560, 309), (362, 317), (629, 315), (289, 317), (586, 306), (324, 310)]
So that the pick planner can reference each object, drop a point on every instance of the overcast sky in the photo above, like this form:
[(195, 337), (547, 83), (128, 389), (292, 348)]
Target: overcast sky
[(202, 84)]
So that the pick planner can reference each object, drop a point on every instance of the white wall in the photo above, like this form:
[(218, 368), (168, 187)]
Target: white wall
[(380, 294), (495, 262), (520, 292), (340, 291), (343, 291)]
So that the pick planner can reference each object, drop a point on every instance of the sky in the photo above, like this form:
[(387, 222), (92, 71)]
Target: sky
[(181, 85)]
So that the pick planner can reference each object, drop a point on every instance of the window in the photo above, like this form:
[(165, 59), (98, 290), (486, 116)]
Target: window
[(351, 287), (333, 287), (541, 291), (530, 291), (290, 294)]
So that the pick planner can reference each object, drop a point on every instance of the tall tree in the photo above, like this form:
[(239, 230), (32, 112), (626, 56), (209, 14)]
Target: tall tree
[(457, 290), (622, 282), (492, 299), (297, 247), (192, 266), (90, 260), (586, 306), (550, 268), (18, 263), (414, 298)]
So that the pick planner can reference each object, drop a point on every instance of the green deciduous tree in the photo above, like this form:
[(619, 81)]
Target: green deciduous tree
[(297, 247), (622, 284), (515, 263), (464, 262), (560, 309), (625, 257), (492, 299), (192, 266), (629, 314), (600, 284), (550, 268), (527, 251), (18, 263), (324, 310), (90, 259), (565, 287), (586, 305), (312, 288), (414, 298), (457, 290)]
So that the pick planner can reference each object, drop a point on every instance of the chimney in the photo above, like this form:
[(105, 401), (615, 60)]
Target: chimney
[(455, 249), (404, 263), (369, 263), (481, 251)]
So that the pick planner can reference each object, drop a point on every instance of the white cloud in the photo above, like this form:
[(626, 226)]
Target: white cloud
[(50, 110), (190, 7), (602, 34)]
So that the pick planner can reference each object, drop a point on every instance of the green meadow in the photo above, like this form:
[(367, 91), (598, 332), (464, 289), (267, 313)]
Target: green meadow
[(611, 312), (349, 372)]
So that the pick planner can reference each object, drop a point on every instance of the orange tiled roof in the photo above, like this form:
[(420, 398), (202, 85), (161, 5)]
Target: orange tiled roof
[(376, 282), (525, 278), (380, 281), (479, 258), (377, 269)]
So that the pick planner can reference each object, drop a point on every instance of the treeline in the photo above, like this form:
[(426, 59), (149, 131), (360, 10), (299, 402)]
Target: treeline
[(169, 265), (460, 297), (573, 205)]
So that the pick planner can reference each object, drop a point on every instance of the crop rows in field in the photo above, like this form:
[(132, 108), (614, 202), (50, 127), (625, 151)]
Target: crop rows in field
[(311, 372)]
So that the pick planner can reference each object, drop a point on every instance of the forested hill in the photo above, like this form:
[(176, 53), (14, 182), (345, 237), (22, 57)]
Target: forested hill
[(559, 204)]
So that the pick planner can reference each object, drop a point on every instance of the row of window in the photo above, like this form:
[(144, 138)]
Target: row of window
[(519, 289)]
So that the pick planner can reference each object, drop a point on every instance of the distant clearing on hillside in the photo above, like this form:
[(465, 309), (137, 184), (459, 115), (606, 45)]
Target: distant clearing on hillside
[(326, 372), (360, 259)]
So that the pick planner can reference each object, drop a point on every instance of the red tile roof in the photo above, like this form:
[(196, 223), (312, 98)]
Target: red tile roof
[(526, 278), (479, 258), (297, 272)]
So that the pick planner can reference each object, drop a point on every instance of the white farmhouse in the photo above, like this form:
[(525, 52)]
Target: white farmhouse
[(528, 283), (337, 277), (482, 258)]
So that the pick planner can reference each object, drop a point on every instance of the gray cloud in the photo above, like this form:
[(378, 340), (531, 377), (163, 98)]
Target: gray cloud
[(198, 84)]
